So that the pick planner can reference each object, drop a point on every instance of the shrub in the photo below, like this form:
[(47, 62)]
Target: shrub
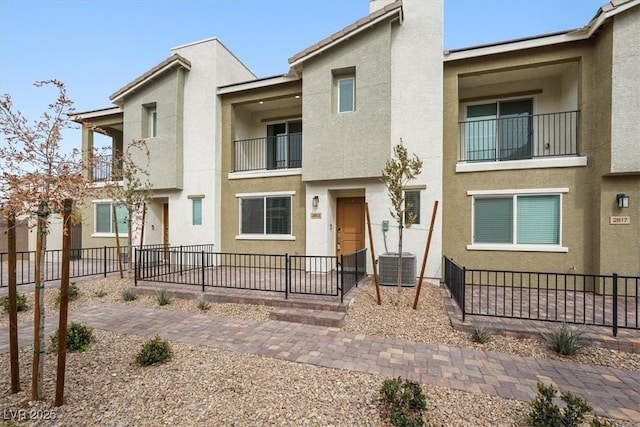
[(402, 402), (564, 340), (154, 352), (74, 293), (21, 303), (481, 334), (129, 294), (545, 413), (203, 305), (79, 338), (162, 297), (597, 422)]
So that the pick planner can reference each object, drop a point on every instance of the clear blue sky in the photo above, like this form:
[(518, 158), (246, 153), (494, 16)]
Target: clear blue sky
[(95, 47)]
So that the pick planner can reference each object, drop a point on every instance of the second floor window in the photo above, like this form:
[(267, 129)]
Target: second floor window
[(150, 121), (346, 94)]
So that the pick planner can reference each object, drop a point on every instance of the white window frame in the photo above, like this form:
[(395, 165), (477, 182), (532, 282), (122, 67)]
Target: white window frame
[(353, 93), (95, 220), (515, 246), (153, 122), (196, 201), (265, 195)]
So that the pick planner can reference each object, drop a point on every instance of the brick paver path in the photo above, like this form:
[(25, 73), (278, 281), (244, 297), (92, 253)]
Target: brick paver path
[(612, 392)]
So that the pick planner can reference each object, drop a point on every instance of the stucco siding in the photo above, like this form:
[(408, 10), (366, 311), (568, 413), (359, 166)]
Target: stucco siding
[(352, 144), (625, 91), (165, 165)]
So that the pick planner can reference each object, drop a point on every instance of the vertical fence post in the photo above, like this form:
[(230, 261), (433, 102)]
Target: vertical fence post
[(615, 304), (341, 279), (136, 273), (104, 262), (464, 287), (202, 269), (180, 260), (287, 272)]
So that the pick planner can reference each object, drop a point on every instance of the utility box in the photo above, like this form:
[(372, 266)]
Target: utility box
[(388, 269)]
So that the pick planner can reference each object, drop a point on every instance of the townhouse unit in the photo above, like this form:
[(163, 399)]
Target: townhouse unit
[(541, 150), (286, 164), (530, 146)]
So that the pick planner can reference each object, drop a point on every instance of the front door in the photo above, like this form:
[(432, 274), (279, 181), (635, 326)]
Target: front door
[(349, 225), (165, 229)]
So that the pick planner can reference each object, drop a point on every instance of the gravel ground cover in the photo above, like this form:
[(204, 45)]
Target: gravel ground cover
[(207, 386)]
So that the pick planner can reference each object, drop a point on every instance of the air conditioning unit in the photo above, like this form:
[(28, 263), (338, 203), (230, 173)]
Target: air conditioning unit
[(388, 268)]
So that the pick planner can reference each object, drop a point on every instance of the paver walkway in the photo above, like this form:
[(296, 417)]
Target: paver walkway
[(612, 392)]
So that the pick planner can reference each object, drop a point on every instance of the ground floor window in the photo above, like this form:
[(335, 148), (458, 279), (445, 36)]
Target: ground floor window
[(521, 221), (265, 215), (104, 223), (412, 206)]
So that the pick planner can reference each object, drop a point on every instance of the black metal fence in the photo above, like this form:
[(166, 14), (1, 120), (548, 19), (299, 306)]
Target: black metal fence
[(588, 299), (84, 262), (287, 274)]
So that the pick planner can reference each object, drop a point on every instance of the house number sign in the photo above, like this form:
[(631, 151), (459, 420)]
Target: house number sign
[(620, 220)]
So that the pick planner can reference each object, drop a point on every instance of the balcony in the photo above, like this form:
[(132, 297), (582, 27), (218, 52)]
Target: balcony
[(519, 137), (269, 153), (106, 168)]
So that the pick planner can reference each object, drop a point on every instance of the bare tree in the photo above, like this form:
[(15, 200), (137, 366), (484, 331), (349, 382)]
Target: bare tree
[(37, 176), (397, 173), (133, 191)]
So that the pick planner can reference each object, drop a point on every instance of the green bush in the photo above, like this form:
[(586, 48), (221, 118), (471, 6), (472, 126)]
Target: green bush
[(154, 352), (21, 303), (74, 293), (545, 413), (564, 340), (162, 297), (481, 334), (597, 422), (79, 338), (129, 294), (203, 305), (403, 402)]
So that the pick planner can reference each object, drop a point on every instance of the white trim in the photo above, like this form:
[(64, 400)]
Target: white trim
[(352, 78), (267, 194), (257, 84), (265, 237), (108, 235), (516, 248), (538, 163), (264, 173), (550, 191)]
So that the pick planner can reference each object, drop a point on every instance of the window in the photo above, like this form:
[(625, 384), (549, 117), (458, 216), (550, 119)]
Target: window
[(150, 121), (346, 94), (104, 223), (412, 205), (523, 221), (265, 215), (196, 211), (499, 131), (284, 145)]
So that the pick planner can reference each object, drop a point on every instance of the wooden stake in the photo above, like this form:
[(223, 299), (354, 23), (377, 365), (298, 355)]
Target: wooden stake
[(373, 255), (37, 389), (426, 253), (118, 250), (13, 305), (64, 301)]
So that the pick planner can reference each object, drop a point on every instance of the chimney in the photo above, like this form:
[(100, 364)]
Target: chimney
[(378, 4)]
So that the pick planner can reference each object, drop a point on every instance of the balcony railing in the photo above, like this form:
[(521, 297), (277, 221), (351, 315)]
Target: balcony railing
[(519, 137), (104, 170), (274, 152)]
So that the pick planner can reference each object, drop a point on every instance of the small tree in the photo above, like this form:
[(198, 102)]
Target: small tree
[(37, 177), (135, 189), (397, 173)]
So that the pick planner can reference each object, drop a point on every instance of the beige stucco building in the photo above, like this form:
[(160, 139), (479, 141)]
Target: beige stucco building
[(540, 138)]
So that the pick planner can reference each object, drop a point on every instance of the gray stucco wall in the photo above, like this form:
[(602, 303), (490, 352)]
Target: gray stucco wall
[(166, 165), (354, 144)]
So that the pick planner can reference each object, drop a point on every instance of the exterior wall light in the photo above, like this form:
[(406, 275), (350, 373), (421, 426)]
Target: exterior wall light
[(316, 200), (623, 200)]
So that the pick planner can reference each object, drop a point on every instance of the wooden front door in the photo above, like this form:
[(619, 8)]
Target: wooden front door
[(165, 229), (349, 225)]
